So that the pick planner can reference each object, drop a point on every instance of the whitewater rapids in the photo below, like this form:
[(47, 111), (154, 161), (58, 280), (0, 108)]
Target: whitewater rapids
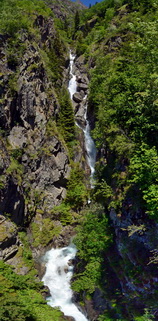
[(59, 271)]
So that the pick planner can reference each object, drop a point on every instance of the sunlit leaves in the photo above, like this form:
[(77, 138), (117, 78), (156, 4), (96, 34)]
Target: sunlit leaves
[(20, 300), (144, 172)]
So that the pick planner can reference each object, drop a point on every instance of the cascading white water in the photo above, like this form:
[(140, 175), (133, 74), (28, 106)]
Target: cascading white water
[(90, 149), (59, 271), (72, 87), (57, 277), (89, 143)]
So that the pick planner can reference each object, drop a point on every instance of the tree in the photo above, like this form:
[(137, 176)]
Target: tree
[(77, 21), (66, 117), (144, 172)]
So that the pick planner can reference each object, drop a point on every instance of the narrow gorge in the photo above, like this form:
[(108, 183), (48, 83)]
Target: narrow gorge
[(59, 269), (78, 160)]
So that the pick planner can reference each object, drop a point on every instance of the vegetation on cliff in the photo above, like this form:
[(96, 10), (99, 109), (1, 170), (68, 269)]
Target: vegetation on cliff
[(36, 131), (118, 40), (21, 298), (117, 235)]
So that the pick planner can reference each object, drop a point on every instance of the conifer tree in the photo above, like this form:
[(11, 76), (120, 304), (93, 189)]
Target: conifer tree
[(66, 118), (77, 21)]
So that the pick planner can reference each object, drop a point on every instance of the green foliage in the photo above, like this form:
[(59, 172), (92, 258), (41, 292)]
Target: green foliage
[(51, 128), (80, 44), (63, 213), (77, 21), (15, 169), (76, 196), (122, 45), (26, 251), (54, 60), (143, 5), (66, 117), (43, 231), (20, 300), (102, 192), (76, 191), (146, 317), (18, 19), (89, 279), (2, 181), (17, 153), (118, 41), (92, 240), (144, 172), (12, 83), (16, 15)]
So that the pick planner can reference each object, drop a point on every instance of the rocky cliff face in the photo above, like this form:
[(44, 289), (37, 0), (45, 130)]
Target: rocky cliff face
[(34, 161), (64, 8)]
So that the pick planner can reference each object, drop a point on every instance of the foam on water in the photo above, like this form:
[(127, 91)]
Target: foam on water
[(72, 87), (57, 278), (59, 269), (89, 143)]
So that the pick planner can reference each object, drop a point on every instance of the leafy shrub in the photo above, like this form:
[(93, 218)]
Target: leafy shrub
[(63, 213), (15, 169), (76, 191), (66, 116), (144, 172), (92, 240), (20, 300), (43, 231)]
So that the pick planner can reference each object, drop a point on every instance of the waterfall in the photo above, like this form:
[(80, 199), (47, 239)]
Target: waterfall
[(72, 87), (57, 277), (59, 269), (89, 143), (90, 149)]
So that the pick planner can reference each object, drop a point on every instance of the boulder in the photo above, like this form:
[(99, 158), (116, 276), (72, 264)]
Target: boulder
[(18, 137), (9, 241), (78, 97), (82, 79), (82, 86), (80, 122)]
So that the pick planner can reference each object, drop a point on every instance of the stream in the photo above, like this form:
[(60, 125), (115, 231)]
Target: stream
[(59, 268), (58, 275), (89, 143)]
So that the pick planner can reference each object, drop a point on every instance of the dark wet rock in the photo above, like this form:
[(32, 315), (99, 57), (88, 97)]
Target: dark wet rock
[(9, 241), (69, 318), (82, 86), (78, 97), (82, 78), (99, 302), (91, 312), (39, 168), (12, 201), (80, 122)]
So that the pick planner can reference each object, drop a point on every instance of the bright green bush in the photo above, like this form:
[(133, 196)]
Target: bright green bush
[(92, 240), (76, 191), (43, 231), (15, 169), (63, 213), (19, 14), (21, 299), (144, 172), (66, 116)]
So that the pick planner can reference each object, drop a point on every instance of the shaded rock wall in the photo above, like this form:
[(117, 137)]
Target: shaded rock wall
[(34, 161)]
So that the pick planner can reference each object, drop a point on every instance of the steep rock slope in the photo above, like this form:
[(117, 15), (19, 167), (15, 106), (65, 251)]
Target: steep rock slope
[(34, 159), (64, 9), (116, 274)]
